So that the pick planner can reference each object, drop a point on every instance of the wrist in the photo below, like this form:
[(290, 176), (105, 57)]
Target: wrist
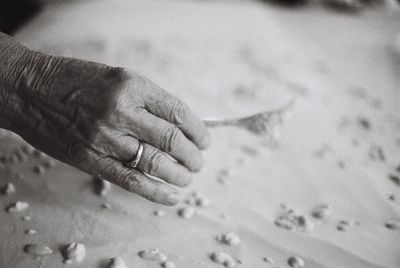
[(23, 74)]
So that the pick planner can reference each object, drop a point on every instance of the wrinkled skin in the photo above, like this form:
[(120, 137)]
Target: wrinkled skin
[(92, 116)]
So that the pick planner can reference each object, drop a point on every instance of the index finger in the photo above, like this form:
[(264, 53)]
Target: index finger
[(162, 104)]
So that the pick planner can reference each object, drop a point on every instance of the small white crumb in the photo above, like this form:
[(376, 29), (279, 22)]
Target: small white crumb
[(105, 188), (8, 189), (295, 261), (68, 261), (159, 213), (186, 212), (168, 264), (117, 262), (75, 252), (17, 207), (30, 231), (230, 239), (38, 250), (268, 260), (26, 218), (392, 224), (223, 258), (198, 199), (152, 255), (321, 211)]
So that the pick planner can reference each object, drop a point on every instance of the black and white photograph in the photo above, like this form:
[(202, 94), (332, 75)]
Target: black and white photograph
[(199, 133)]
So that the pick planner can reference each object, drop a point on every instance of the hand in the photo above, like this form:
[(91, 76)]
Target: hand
[(93, 116)]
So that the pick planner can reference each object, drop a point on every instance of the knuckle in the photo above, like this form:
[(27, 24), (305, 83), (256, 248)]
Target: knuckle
[(77, 153), (153, 163), (170, 139), (178, 112)]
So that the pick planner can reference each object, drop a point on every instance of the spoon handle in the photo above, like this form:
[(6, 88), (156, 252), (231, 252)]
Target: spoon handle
[(218, 122)]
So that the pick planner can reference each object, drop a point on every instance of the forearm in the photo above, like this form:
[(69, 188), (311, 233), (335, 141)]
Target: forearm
[(22, 73)]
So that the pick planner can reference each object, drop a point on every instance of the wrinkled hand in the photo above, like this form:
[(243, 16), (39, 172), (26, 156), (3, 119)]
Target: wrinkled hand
[(93, 116)]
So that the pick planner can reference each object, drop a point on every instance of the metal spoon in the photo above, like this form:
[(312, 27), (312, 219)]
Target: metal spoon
[(261, 124)]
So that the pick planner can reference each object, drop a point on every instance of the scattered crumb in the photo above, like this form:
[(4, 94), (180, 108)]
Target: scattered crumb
[(26, 218), (168, 264), (223, 258), (321, 211), (395, 179), (393, 225), (39, 169), (295, 261), (68, 261), (117, 262), (230, 239), (344, 225), (364, 123), (152, 255), (198, 199), (8, 189), (30, 231), (159, 213), (75, 252), (289, 219), (17, 207), (37, 250), (268, 260), (187, 212), (105, 206)]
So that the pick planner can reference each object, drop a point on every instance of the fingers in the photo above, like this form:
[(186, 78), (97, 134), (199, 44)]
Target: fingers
[(156, 163), (153, 161), (130, 179), (170, 139), (164, 105)]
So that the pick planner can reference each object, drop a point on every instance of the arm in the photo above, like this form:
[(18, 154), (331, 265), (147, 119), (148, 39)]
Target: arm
[(92, 116)]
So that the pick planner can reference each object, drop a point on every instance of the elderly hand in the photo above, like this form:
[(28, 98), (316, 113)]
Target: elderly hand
[(93, 116)]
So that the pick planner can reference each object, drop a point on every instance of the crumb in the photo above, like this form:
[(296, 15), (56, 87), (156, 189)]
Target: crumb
[(37, 250), (321, 211), (223, 258), (75, 252), (116, 262), (159, 213), (364, 123), (393, 225), (26, 218), (395, 179), (39, 169), (197, 199), (30, 231), (168, 264), (186, 212), (17, 207), (289, 219), (268, 260), (295, 261), (152, 255), (8, 189), (105, 206), (68, 261), (230, 239)]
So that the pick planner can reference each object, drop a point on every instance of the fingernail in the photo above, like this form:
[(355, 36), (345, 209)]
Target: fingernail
[(173, 198)]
